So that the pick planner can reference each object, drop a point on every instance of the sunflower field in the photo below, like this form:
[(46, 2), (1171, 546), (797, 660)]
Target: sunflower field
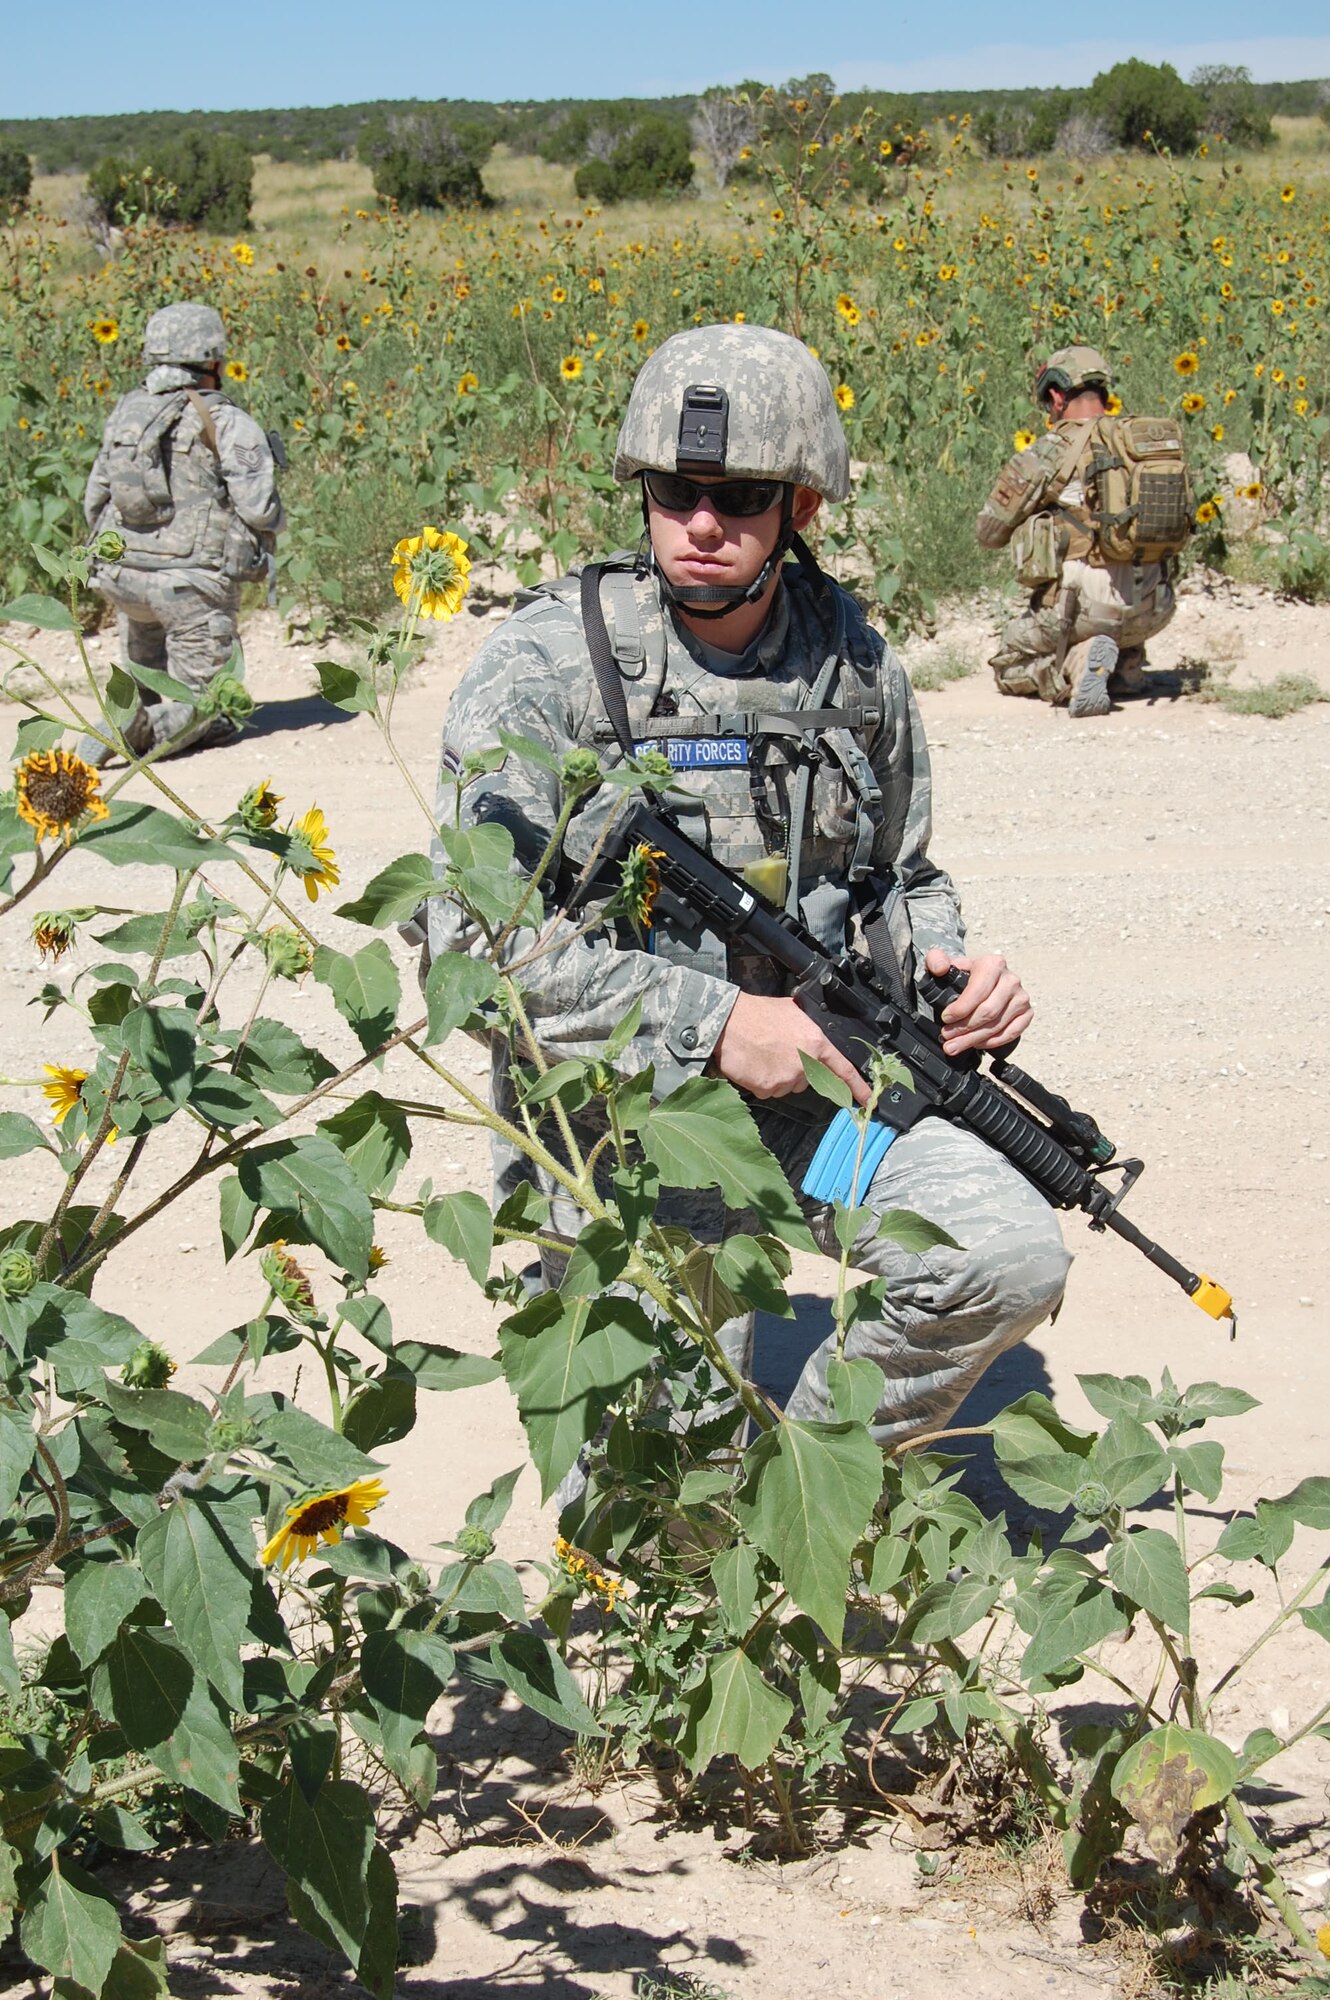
[(476, 369)]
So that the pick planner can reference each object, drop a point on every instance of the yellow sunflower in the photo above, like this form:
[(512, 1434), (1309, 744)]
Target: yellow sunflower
[(321, 1517), (468, 383), (432, 569), (1114, 406), (343, 343), (54, 791), (641, 329), (1193, 405), (237, 371), (105, 329), (243, 253), (844, 396), (1287, 192), (1186, 363), (320, 871), (64, 1092), (847, 309), (1206, 513), (1023, 440), (570, 367), (885, 148), (1217, 433)]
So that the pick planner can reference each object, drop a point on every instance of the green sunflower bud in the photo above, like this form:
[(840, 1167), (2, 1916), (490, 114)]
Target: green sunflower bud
[(258, 809), (289, 956), (474, 1544), (227, 696), (231, 1434), (18, 1274), (289, 1283), (580, 771), (109, 546), (1093, 1500), (148, 1367)]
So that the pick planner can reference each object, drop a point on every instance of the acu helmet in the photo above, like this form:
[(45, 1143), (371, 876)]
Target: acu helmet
[(739, 402), (1072, 369), (188, 335)]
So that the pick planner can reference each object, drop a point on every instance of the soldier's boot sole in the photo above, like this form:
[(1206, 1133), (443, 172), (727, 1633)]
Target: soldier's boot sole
[(1090, 694)]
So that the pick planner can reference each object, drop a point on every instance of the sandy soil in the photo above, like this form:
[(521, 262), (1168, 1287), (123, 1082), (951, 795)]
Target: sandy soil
[(1162, 880)]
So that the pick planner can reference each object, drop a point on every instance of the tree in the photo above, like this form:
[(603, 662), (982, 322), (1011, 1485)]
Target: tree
[(1232, 110), (200, 177), (422, 159), (652, 160), (1137, 98), (724, 126), (15, 175)]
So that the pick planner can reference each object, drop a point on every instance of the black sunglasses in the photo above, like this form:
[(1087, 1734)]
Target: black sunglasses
[(739, 498)]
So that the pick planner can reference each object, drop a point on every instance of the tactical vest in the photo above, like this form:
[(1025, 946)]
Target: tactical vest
[(168, 496), (780, 789)]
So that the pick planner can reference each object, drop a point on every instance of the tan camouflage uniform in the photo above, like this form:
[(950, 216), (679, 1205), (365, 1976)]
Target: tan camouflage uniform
[(1127, 604), (949, 1313), (176, 590)]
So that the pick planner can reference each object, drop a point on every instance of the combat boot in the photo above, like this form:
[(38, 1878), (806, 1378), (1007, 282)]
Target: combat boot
[(1090, 694)]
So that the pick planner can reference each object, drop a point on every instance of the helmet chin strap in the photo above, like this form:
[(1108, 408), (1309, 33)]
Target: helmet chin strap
[(718, 600)]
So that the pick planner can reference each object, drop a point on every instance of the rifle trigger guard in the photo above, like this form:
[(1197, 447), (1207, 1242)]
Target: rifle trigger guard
[(1131, 1171)]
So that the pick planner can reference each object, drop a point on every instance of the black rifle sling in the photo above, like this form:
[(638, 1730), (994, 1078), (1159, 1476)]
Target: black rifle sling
[(608, 678)]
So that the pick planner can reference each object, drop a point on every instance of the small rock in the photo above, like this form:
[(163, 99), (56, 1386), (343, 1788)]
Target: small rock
[(1306, 1302)]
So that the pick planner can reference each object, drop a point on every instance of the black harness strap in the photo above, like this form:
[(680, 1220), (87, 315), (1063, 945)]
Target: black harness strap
[(608, 678)]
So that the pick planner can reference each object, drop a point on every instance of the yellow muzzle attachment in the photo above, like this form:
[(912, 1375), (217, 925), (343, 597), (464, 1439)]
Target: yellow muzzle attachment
[(1213, 1299)]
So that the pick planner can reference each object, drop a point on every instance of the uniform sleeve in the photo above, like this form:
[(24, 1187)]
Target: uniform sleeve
[(920, 902), (1019, 492), (246, 462), (98, 489), (525, 681)]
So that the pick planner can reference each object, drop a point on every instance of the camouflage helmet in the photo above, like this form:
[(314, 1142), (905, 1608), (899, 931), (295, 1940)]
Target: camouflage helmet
[(190, 335), (745, 401), (1072, 369)]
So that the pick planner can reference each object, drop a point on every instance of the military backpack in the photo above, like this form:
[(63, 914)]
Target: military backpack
[(1138, 489)]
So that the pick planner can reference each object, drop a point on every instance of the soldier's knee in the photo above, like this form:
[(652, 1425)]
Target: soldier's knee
[(1017, 1273)]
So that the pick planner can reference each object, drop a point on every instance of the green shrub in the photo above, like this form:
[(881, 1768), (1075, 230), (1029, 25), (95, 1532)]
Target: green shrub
[(1135, 98), (653, 159), (201, 177), (1007, 131), (1232, 109), (425, 160), (15, 175)]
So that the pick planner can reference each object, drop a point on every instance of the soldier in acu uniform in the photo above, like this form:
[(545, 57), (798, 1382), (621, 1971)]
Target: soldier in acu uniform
[(1081, 637), (795, 731), (188, 480)]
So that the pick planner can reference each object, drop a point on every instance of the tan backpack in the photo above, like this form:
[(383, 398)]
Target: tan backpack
[(1137, 488)]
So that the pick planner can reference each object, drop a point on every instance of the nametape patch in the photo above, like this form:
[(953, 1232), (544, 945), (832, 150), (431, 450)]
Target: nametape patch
[(699, 753)]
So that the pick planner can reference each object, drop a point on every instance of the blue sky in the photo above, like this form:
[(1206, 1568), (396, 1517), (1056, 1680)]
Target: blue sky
[(148, 55)]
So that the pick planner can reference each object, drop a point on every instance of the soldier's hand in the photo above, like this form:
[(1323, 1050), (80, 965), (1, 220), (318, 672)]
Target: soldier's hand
[(759, 1046), (993, 1010)]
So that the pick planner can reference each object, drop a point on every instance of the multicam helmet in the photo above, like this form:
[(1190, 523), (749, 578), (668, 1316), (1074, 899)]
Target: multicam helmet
[(743, 401), (188, 335), (1072, 369)]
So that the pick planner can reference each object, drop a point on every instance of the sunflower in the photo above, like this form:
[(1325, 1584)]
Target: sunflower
[(847, 309), (468, 383), (1185, 363), (1300, 406), (54, 931), (1230, 396), (343, 343), (1252, 491), (885, 148), (237, 371), (1193, 405), (1205, 513), (1023, 440), (580, 1568), (570, 367), (1217, 433), (1287, 192), (320, 871), (64, 1092), (899, 243), (258, 808), (105, 330), (321, 1517), (243, 253), (844, 396), (1277, 308), (431, 569), (55, 789), (641, 328), (1114, 406), (1226, 290)]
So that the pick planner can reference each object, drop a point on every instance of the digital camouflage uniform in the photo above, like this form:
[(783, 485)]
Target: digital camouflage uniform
[(176, 590), (949, 1312), (1124, 602)]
